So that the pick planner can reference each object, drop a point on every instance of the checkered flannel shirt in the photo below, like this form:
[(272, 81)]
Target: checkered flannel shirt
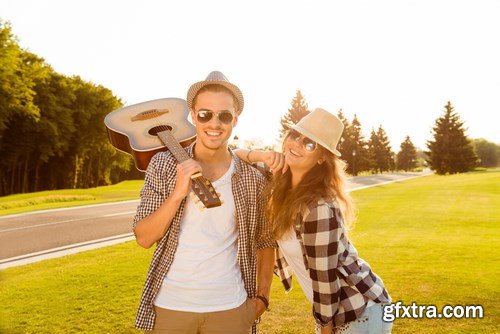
[(253, 229), (342, 283)]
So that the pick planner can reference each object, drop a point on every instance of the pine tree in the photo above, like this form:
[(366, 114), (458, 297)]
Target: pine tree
[(450, 151), (380, 154), (344, 120), (345, 133), (353, 146), (407, 156), (295, 113)]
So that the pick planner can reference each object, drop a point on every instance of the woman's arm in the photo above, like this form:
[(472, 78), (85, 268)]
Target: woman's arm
[(321, 237)]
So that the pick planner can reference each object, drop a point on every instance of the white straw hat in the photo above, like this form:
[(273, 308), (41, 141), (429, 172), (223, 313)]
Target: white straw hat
[(322, 127)]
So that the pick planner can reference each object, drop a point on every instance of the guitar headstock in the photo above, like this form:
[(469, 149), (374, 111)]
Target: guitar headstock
[(205, 192)]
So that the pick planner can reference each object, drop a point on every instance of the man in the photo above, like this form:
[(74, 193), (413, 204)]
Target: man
[(202, 278)]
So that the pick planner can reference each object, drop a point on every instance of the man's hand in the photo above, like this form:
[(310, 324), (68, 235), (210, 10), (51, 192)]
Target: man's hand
[(184, 172), (259, 307)]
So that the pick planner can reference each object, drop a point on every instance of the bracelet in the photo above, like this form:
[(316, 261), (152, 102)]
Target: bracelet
[(264, 300), (248, 156)]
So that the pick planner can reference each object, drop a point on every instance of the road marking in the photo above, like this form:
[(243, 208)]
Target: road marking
[(119, 214), (68, 208), (64, 250), (65, 221)]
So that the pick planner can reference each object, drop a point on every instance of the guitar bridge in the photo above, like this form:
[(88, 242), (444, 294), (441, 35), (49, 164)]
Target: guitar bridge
[(148, 114)]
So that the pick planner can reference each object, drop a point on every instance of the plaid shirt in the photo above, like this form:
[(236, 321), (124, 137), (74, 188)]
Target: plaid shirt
[(342, 283), (253, 228)]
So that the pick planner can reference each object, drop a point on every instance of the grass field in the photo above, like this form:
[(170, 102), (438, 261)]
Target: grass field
[(50, 199), (433, 240)]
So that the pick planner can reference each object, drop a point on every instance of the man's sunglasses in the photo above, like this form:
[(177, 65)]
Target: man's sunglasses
[(203, 116), (308, 144)]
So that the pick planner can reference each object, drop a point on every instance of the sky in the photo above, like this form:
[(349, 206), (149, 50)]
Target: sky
[(392, 63)]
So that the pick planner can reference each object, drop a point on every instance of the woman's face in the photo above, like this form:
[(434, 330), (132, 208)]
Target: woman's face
[(298, 153)]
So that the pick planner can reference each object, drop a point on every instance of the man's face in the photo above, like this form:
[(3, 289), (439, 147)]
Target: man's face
[(214, 134)]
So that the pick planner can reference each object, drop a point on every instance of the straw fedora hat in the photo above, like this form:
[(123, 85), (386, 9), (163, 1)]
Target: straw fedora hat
[(322, 127), (215, 78)]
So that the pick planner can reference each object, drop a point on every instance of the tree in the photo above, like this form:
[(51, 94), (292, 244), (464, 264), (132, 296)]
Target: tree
[(421, 158), (92, 156), (295, 113), (52, 134), (20, 117), (380, 154), (342, 142), (407, 156), (450, 151), (16, 82), (487, 152), (353, 146)]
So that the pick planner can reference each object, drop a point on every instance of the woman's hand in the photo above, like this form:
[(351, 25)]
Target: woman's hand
[(274, 160)]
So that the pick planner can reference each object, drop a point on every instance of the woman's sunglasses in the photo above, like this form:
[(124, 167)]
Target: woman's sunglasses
[(308, 144), (203, 116)]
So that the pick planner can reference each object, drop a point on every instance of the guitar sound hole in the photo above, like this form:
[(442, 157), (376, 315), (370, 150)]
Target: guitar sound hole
[(159, 128)]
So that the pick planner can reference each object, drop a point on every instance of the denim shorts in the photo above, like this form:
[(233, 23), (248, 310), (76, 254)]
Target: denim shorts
[(370, 322)]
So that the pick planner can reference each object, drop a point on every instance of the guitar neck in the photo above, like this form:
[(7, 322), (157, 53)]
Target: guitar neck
[(173, 145), (201, 186)]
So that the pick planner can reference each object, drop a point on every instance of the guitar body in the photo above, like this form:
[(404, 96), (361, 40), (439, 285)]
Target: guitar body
[(134, 129)]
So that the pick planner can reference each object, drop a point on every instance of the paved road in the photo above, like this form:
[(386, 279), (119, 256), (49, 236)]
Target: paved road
[(42, 230), (359, 182)]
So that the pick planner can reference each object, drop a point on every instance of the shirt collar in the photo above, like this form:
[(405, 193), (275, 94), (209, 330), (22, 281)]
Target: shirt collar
[(238, 168)]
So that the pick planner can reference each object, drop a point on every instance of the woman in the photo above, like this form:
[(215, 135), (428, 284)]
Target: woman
[(310, 211)]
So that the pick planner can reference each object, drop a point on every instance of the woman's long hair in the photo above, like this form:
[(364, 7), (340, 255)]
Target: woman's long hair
[(326, 180)]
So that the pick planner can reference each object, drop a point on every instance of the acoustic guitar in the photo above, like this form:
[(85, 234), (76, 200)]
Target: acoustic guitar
[(144, 129)]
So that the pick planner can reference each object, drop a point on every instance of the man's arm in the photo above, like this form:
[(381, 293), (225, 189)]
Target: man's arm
[(265, 246), (265, 268), (153, 227)]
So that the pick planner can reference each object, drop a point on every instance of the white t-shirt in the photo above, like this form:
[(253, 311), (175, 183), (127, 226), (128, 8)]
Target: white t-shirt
[(205, 275), (292, 251)]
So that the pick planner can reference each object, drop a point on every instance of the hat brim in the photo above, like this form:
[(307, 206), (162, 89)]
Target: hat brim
[(312, 137), (193, 90)]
